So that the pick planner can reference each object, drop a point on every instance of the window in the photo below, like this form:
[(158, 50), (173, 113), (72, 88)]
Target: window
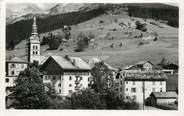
[(70, 85), (161, 83), (54, 78), (7, 80), (160, 89), (80, 78), (36, 47), (59, 90), (121, 82), (153, 89), (12, 65), (59, 85), (70, 91), (36, 52), (134, 97), (22, 65), (88, 79), (46, 77), (133, 82), (126, 89), (33, 52), (121, 89), (70, 78), (126, 82), (133, 90), (12, 72), (153, 82)]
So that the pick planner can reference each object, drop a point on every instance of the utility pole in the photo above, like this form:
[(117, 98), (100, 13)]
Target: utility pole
[(143, 93), (102, 48)]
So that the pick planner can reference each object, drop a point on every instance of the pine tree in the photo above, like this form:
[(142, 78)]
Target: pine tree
[(29, 90)]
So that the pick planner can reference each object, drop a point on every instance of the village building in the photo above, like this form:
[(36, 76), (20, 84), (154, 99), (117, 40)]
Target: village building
[(145, 65), (34, 45), (13, 68), (66, 74), (158, 98), (138, 86)]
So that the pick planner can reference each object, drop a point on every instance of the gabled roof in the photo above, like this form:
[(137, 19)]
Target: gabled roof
[(129, 67), (71, 63), (16, 59), (164, 94), (94, 60), (143, 62)]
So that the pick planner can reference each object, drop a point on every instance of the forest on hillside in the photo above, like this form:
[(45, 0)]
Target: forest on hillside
[(22, 29), (157, 12)]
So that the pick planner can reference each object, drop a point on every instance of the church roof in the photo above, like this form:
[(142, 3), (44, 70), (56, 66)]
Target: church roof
[(34, 39)]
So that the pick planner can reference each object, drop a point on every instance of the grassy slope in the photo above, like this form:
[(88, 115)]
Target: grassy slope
[(166, 47)]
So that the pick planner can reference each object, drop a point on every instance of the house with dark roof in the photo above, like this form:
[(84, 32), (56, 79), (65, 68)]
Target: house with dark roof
[(145, 65), (158, 98), (66, 74)]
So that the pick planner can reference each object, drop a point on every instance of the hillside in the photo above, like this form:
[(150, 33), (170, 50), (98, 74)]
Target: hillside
[(128, 53)]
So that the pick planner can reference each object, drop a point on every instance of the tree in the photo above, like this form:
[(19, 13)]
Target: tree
[(82, 43), (102, 78), (29, 90), (86, 99), (12, 45), (140, 26)]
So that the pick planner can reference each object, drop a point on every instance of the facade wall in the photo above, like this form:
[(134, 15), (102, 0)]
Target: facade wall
[(34, 52), (66, 84), (9, 81), (166, 101), (15, 68), (134, 89), (12, 72), (147, 66)]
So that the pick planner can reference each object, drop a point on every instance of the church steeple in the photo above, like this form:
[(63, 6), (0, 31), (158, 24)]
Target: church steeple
[(34, 27), (34, 44)]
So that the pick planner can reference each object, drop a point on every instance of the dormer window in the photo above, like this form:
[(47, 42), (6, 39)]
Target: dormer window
[(12, 66)]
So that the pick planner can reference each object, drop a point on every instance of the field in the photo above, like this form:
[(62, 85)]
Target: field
[(118, 56)]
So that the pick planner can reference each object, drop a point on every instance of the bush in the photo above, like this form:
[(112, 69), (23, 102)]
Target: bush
[(141, 26)]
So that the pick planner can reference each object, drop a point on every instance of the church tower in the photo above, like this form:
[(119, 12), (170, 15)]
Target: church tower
[(34, 44)]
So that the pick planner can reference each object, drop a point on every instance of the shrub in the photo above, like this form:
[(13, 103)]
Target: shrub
[(141, 26)]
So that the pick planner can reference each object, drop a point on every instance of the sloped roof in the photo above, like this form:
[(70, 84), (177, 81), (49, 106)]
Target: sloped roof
[(75, 63), (148, 76), (43, 59), (80, 63), (143, 62), (16, 59), (164, 94), (94, 60), (128, 67), (34, 39)]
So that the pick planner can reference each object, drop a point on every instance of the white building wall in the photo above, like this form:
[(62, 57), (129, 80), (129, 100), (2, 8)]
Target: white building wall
[(13, 72), (11, 81), (166, 101), (66, 84), (138, 85), (18, 67), (33, 49)]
